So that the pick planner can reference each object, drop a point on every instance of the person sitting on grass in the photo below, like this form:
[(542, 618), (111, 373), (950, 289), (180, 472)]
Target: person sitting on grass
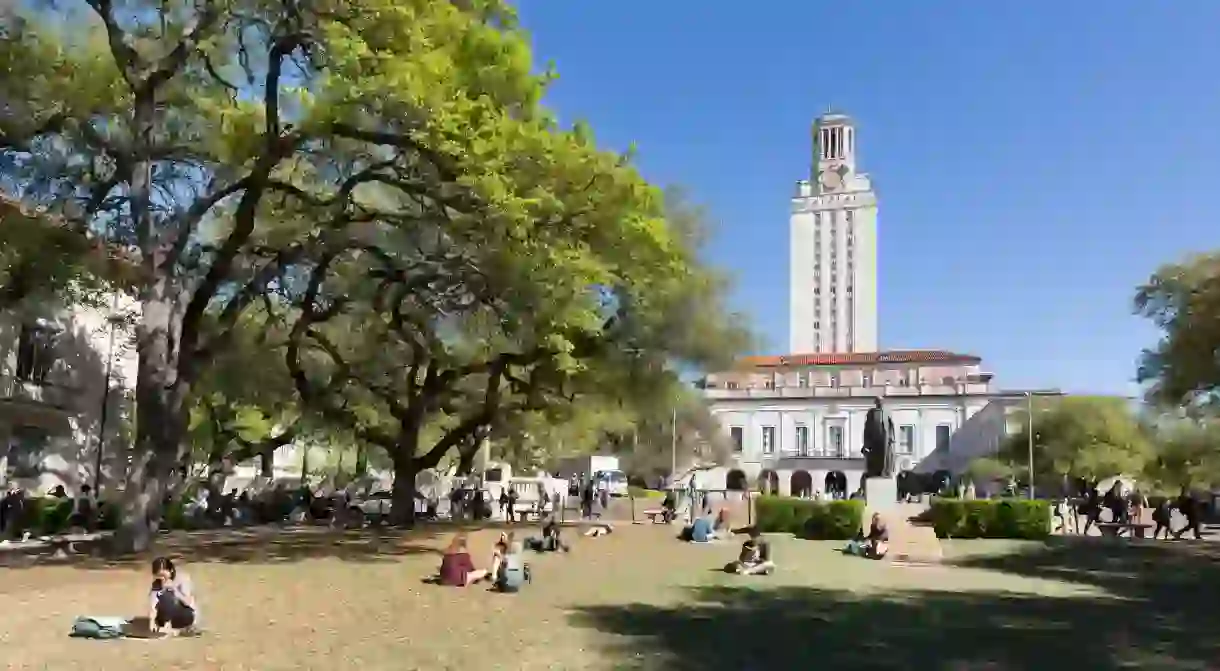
[(498, 551), (755, 557), (512, 572), (550, 541), (457, 568), (875, 544), (172, 606)]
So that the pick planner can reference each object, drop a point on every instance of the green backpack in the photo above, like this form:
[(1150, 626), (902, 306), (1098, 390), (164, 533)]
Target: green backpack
[(97, 627)]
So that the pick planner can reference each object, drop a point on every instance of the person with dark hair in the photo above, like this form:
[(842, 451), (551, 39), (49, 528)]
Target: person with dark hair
[(755, 557), (1091, 509), (172, 606), (1161, 516), (1189, 507), (84, 509)]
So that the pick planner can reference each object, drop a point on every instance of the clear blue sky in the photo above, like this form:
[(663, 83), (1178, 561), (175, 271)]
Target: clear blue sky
[(1034, 160)]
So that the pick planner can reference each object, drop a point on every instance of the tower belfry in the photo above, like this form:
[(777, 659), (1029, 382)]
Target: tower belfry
[(833, 255)]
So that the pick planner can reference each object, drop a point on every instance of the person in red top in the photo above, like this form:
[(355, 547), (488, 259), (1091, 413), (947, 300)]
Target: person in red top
[(457, 568)]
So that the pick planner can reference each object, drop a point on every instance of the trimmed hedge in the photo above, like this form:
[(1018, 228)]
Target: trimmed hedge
[(991, 518), (812, 520)]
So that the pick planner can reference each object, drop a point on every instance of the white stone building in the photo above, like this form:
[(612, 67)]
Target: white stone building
[(56, 364), (833, 249), (797, 422)]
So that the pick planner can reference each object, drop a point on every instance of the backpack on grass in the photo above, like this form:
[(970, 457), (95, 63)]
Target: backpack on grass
[(95, 627)]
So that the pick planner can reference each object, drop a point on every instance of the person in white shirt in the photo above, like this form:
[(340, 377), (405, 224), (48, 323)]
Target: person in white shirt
[(172, 605)]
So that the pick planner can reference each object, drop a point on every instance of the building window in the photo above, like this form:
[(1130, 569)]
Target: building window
[(736, 435), (848, 215), (802, 440), (866, 380), (768, 439), (35, 352), (26, 448), (730, 385), (906, 439), (802, 379), (834, 440), (834, 379), (943, 431)]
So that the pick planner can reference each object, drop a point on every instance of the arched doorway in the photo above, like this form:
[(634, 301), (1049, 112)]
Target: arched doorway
[(836, 485), (736, 481), (801, 484), (768, 482)]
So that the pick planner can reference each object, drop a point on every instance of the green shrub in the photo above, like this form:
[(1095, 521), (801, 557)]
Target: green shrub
[(991, 518), (49, 516), (642, 493), (813, 520)]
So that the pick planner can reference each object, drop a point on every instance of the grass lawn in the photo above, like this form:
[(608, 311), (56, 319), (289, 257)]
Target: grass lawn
[(635, 599)]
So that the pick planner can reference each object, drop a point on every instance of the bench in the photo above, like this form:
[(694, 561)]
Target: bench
[(1115, 529), (655, 515)]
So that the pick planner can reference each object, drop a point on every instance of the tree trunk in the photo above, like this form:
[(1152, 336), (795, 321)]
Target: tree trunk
[(402, 495), (267, 462)]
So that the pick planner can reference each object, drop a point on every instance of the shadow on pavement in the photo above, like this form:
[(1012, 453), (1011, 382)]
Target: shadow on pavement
[(1161, 614)]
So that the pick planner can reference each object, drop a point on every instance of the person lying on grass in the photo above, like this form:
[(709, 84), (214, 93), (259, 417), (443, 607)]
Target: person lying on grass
[(172, 606), (755, 557), (457, 568), (705, 529)]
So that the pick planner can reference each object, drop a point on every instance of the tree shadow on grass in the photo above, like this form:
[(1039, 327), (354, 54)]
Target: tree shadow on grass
[(1169, 580), (263, 545), (743, 628)]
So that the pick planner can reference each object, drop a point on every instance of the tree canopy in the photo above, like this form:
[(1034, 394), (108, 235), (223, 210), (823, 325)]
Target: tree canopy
[(373, 182), (1090, 437), (1183, 300)]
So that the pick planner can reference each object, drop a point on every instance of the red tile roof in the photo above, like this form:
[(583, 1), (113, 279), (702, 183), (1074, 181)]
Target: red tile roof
[(858, 359)]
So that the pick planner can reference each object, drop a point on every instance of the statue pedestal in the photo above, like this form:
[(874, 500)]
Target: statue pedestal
[(880, 494)]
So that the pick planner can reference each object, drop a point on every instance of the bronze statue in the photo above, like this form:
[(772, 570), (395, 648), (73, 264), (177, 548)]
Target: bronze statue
[(878, 445)]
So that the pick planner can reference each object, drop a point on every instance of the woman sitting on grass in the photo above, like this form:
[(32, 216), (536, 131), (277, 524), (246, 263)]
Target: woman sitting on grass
[(457, 568), (172, 607), (755, 558), (550, 541), (875, 544), (512, 571)]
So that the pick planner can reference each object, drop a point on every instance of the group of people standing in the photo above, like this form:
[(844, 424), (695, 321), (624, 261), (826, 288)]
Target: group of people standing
[(1129, 508)]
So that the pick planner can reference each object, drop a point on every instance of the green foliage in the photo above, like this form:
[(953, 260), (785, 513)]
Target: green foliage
[(813, 520), (1186, 454), (1087, 437), (991, 518), (989, 469), (1183, 301), (641, 493)]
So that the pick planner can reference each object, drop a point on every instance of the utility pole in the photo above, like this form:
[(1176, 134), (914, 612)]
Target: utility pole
[(1029, 398)]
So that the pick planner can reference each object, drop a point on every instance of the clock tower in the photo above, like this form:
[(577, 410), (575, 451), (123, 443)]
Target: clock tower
[(833, 248)]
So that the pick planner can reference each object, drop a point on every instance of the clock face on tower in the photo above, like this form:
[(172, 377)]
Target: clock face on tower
[(831, 178)]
